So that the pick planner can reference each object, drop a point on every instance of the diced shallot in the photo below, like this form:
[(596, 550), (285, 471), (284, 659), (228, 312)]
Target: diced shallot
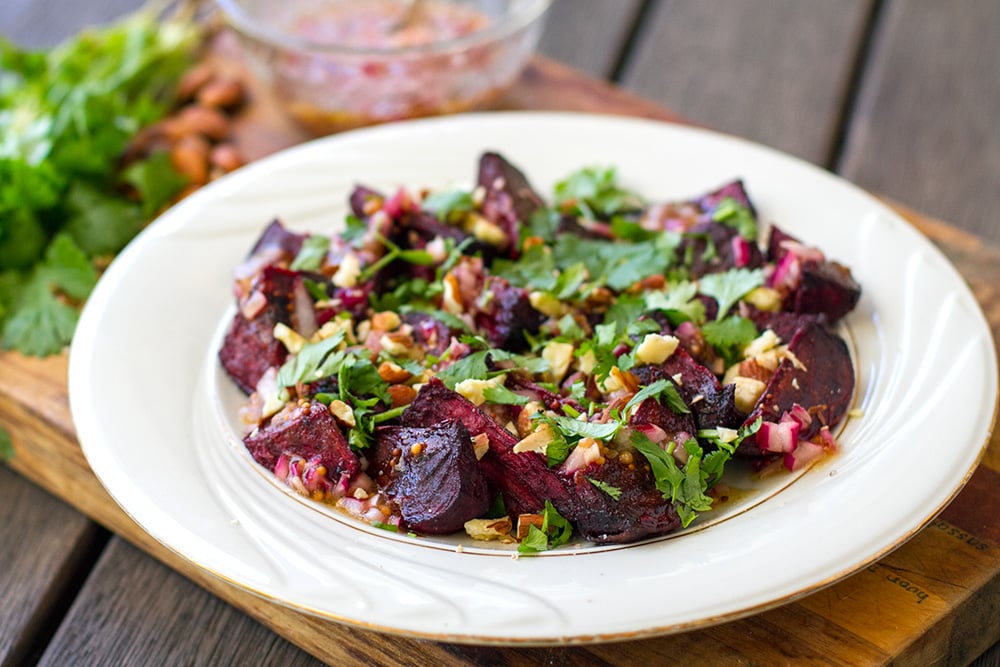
[(782, 437), (741, 251)]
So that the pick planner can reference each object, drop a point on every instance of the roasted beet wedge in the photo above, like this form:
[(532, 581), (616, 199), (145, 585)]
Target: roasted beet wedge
[(712, 403), (808, 282), (733, 190), (508, 315), (822, 383), (638, 513), (308, 431), (524, 479), (710, 247), (526, 482), (432, 475), (250, 348), (277, 239), (510, 199)]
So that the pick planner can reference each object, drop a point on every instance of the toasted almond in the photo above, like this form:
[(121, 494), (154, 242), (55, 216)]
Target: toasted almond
[(488, 529), (194, 80), (393, 373), (526, 521), (342, 411), (401, 394), (222, 93), (205, 120), (226, 157), (386, 321), (190, 158)]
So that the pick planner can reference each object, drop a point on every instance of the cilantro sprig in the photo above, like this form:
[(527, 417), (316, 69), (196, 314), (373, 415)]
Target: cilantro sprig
[(66, 116), (555, 530)]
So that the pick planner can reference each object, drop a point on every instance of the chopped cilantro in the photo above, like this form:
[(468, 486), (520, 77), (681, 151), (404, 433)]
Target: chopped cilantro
[(555, 530), (310, 257), (354, 228), (583, 429), (679, 302), (594, 193), (734, 214), (313, 362), (729, 335), (447, 204), (663, 391), (684, 486), (503, 396), (612, 491), (730, 286)]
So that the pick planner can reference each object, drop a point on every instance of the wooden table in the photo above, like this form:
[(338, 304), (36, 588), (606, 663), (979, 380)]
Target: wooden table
[(899, 97)]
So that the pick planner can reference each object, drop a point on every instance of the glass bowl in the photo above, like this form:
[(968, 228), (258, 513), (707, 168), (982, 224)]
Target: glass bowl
[(339, 64)]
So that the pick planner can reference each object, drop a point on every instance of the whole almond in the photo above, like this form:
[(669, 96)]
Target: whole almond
[(193, 81), (208, 121), (226, 157), (401, 394), (189, 157), (222, 93)]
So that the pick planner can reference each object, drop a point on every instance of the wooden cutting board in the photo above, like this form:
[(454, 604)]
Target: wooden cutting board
[(935, 600)]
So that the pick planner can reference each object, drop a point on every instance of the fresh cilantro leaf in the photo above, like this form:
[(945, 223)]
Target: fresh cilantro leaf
[(542, 224), (534, 269), (39, 323), (663, 391), (392, 528), (316, 290), (555, 530), (503, 396), (557, 450), (312, 254), (6, 445), (497, 509), (471, 367), (625, 310), (680, 303), (354, 228), (729, 335), (594, 193), (308, 364), (446, 205), (359, 377), (582, 429), (99, 223), (684, 486), (630, 231), (612, 491), (730, 286), (156, 182), (734, 214)]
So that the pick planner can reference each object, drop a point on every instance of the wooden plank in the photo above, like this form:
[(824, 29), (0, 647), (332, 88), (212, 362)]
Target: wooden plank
[(775, 71), (134, 611), (44, 545), (925, 128), (589, 35)]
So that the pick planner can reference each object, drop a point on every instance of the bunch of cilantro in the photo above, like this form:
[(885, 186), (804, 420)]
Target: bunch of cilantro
[(66, 204)]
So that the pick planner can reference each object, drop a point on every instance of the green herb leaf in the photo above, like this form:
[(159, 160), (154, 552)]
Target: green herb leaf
[(594, 193), (730, 286), (612, 491), (312, 254), (685, 487), (555, 530), (729, 336), (503, 396), (661, 390), (309, 364), (734, 214), (582, 429), (156, 181), (446, 204)]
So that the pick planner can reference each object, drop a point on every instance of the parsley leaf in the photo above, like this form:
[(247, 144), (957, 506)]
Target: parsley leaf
[(734, 214), (555, 530), (310, 257), (445, 205), (501, 395), (612, 491), (582, 429), (661, 390), (156, 182), (730, 286), (684, 486), (594, 193), (313, 362), (729, 336), (680, 303)]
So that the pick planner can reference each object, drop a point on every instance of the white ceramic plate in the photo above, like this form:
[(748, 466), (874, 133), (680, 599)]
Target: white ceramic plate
[(155, 415)]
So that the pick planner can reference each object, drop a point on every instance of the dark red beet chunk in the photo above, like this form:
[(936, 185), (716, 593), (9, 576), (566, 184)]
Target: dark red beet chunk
[(432, 474), (308, 431), (827, 288), (824, 389), (277, 239), (734, 190), (713, 247), (524, 479), (508, 315), (510, 199), (717, 405), (250, 348), (640, 511)]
